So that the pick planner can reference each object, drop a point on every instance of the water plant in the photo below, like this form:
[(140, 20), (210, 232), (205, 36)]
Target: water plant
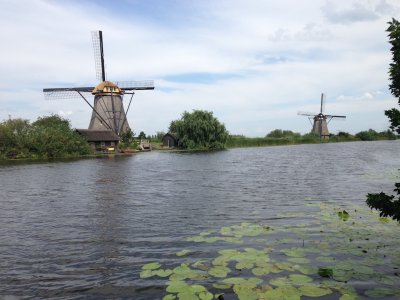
[(338, 252)]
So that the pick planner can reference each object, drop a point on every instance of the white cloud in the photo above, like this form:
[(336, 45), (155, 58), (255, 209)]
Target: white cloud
[(263, 60)]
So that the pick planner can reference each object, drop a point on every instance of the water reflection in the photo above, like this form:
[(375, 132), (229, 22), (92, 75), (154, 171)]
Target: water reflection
[(84, 228)]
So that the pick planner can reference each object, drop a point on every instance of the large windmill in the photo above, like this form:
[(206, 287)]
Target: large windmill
[(320, 121), (108, 109)]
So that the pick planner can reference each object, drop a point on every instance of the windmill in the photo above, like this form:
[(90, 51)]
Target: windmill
[(108, 109), (320, 121)]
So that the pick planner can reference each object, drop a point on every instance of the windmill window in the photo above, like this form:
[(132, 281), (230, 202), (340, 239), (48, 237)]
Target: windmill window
[(112, 144), (103, 144)]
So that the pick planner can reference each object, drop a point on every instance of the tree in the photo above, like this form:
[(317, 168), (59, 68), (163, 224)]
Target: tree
[(47, 137), (200, 130), (394, 73), (279, 133), (389, 205), (142, 135), (127, 136)]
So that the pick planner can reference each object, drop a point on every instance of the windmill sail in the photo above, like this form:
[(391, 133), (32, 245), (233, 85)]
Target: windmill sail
[(97, 39)]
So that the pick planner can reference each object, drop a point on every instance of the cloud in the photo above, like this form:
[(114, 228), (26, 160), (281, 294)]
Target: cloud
[(358, 11), (254, 63)]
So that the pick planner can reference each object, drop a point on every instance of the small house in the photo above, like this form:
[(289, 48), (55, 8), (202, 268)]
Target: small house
[(170, 140), (100, 140)]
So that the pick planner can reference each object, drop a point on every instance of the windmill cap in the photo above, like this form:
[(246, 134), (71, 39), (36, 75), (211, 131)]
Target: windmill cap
[(106, 87)]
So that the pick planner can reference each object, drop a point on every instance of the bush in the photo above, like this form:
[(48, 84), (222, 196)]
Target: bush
[(200, 130), (47, 137), (370, 135)]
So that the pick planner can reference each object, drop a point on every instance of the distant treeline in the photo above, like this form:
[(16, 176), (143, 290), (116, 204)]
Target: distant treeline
[(47, 137), (287, 137)]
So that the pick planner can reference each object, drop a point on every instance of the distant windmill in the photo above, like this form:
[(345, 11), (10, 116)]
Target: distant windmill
[(108, 109), (321, 121)]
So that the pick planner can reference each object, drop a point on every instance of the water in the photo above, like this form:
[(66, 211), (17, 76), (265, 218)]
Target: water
[(84, 228)]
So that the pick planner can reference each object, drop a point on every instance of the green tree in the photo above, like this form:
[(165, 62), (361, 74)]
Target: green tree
[(128, 136), (279, 133), (394, 73), (142, 135), (200, 130), (52, 136), (370, 135), (13, 138), (45, 138), (388, 205)]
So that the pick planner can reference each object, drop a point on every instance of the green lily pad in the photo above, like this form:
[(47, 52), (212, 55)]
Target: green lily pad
[(169, 297), (314, 291), (201, 265), (187, 296), (348, 297), (294, 252), (307, 270), (222, 286), (177, 287), (146, 274), (379, 292), (280, 281), (219, 271), (299, 279), (206, 296), (258, 271), (162, 273), (281, 293), (343, 215), (182, 252), (151, 266)]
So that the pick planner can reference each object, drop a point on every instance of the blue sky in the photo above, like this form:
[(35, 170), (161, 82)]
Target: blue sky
[(254, 64)]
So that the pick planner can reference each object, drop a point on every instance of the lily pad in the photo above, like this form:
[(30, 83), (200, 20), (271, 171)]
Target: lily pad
[(151, 266), (169, 297), (281, 293), (162, 273), (182, 252), (299, 279), (219, 271), (146, 274), (314, 291), (379, 292), (343, 215)]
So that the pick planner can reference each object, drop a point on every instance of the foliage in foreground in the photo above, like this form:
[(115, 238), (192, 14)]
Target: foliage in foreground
[(382, 202), (47, 137), (387, 205), (199, 130)]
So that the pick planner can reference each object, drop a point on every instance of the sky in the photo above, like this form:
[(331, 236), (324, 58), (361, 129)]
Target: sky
[(254, 63)]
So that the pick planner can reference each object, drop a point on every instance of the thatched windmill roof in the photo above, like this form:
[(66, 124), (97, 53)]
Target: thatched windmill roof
[(98, 135)]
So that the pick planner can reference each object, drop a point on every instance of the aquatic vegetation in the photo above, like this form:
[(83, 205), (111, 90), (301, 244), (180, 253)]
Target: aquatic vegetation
[(350, 253)]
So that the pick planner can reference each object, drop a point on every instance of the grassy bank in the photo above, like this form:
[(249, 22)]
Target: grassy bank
[(237, 141)]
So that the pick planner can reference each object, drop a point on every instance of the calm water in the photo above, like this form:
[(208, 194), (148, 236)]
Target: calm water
[(83, 229)]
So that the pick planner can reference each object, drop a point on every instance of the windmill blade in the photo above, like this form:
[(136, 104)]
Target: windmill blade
[(136, 85), (322, 110), (335, 116), (66, 93), (97, 38)]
